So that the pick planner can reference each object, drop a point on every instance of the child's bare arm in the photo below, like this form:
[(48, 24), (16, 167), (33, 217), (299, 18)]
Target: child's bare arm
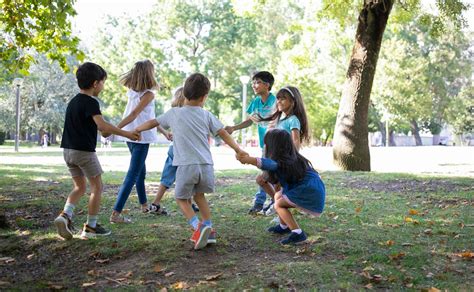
[(244, 158), (165, 133), (295, 136), (245, 124), (144, 101), (229, 140), (106, 127), (150, 124)]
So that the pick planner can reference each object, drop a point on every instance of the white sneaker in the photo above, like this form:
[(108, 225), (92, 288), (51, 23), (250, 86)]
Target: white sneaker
[(270, 211), (276, 220)]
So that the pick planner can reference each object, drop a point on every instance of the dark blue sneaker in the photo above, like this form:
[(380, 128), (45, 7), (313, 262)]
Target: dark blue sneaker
[(294, 238), (278, 230)]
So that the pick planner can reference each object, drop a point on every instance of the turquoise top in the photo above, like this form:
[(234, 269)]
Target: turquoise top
[(289, 124), (257, 107)]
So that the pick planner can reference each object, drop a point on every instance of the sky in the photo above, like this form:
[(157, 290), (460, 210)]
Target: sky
[(91, 13)]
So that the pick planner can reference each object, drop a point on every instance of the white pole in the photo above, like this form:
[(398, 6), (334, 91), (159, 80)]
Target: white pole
[(17, 132), (244, 80)]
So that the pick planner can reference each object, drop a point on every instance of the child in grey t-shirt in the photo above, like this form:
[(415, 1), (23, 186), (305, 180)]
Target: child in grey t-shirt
[(191, 125)]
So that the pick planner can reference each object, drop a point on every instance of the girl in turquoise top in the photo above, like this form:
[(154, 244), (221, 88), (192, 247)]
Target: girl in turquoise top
[(291, 117)]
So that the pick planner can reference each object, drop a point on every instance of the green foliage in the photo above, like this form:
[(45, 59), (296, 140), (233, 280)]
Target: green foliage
[(420, 76), (35, 25)]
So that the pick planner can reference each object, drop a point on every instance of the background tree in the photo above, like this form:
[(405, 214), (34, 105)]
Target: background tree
[(35, 25), (351, 147)]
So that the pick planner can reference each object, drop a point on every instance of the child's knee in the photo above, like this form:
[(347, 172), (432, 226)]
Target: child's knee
[(260, 180)]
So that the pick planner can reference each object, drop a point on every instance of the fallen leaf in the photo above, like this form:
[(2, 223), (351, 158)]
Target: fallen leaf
[(129, 274), (408, 219), (93, 273), (180, 285), (413, 212), (169, 274), (7, 260), (368, 268), (213, 277), (397, 256), (102, 261), (90, 284), (389, 243), (4, 283), (125, 211), (55, 287), (466, 254), (30, 256), (428, 231), (377, 278), (358, 209), (407, 244), (158, 268), (369, 286), (433, 289)]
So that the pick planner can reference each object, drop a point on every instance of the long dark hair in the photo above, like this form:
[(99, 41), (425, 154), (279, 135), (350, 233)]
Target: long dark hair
[(292, 93), (280, 147)]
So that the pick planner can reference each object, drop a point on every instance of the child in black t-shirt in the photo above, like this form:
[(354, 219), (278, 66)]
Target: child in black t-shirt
[(83, 119)]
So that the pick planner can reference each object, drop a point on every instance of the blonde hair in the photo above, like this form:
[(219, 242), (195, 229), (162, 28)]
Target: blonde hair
[(178, 98), (141, 77)]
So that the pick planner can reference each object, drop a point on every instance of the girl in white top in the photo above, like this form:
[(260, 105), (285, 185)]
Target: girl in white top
[(140, 82)]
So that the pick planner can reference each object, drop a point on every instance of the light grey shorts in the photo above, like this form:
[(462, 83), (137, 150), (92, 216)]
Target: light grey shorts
[(194, 178), (82, 163)]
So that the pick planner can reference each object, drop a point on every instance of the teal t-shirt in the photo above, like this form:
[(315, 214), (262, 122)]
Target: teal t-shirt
[(264, 110), (289, 124)]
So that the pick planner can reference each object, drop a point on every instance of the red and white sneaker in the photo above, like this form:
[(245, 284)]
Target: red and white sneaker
[(212, 236), (200, 236)]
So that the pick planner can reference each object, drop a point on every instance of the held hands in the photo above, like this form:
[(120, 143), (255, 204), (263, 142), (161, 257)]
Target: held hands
[(134, 136), (169, 136), (229, 129), (242, 156), (105, 134)]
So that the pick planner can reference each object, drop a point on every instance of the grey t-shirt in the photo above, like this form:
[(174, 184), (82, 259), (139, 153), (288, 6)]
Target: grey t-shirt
[(191, 127)]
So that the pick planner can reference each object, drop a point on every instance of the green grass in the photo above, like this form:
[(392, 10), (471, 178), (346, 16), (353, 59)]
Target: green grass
[(385, 231)]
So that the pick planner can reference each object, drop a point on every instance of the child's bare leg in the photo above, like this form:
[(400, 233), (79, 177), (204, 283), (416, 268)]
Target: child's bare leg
[(186, 208), (78, 190), (201, 201), (159, 194), (286, 218), (94, 200), (266, 186)]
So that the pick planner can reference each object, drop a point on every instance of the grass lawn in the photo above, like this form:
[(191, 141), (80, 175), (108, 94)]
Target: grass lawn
[(378, 231)]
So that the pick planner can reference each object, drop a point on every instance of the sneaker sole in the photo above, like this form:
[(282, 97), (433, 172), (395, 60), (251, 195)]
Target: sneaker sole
[(294, 243), (201, 243), (88, 235), (63, 230)]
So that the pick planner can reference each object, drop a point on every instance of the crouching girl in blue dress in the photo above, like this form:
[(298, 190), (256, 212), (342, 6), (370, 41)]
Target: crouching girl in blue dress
[(302, 186)]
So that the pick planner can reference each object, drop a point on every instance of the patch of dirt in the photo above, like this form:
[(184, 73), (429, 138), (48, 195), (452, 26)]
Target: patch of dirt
[(407, 186)]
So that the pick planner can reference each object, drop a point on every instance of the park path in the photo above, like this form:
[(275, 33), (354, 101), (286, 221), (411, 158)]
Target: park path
[(442, 160)]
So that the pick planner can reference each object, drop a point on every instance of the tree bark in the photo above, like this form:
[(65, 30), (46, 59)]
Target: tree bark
[(416, 132), (351, 145)]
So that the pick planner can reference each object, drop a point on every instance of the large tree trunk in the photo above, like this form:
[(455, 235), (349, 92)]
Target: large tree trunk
[(351, 145), (416, 132)]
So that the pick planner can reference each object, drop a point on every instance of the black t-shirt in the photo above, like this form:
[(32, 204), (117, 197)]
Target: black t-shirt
[(80, 130)]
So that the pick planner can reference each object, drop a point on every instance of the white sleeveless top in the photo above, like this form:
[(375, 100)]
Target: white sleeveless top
[(148, 113)]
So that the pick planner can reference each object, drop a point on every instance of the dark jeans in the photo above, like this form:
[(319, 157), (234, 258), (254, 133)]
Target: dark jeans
[(135, 175)]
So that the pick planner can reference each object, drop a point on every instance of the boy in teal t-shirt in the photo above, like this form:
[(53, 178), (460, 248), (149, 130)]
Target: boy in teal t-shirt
[(263, 105)]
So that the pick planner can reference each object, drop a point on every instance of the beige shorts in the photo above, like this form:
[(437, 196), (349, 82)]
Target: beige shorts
[(194, 178), (82, 163)]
